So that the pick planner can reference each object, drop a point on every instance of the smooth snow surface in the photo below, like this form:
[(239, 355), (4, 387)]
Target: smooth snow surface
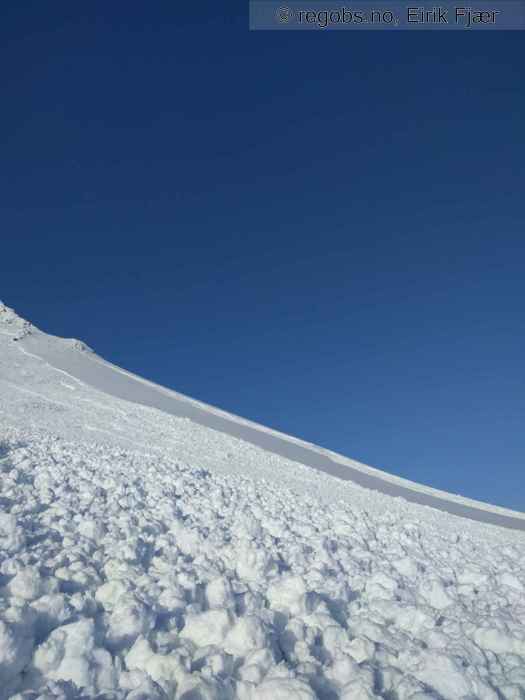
[(145, 554)]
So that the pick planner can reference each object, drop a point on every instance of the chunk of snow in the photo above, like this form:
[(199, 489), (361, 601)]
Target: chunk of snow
[(70, 653), (207, 628)]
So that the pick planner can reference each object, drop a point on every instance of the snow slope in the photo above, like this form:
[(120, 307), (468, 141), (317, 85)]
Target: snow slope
[(154, 547), (79, 361)]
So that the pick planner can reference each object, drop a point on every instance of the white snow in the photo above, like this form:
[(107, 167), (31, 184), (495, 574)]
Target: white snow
[(146, 554)]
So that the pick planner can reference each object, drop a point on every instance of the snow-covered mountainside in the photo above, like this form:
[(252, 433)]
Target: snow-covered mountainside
[(154, 547)]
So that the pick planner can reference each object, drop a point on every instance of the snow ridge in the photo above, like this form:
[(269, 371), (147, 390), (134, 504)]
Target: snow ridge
[(18, 328), (12, 324)]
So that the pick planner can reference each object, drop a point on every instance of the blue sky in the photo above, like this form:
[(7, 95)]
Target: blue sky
[(323, 232)]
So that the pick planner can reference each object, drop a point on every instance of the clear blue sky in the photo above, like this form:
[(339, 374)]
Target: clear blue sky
[(323, 232)]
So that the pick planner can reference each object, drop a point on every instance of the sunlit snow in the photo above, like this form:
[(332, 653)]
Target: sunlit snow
[(161, 550)]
